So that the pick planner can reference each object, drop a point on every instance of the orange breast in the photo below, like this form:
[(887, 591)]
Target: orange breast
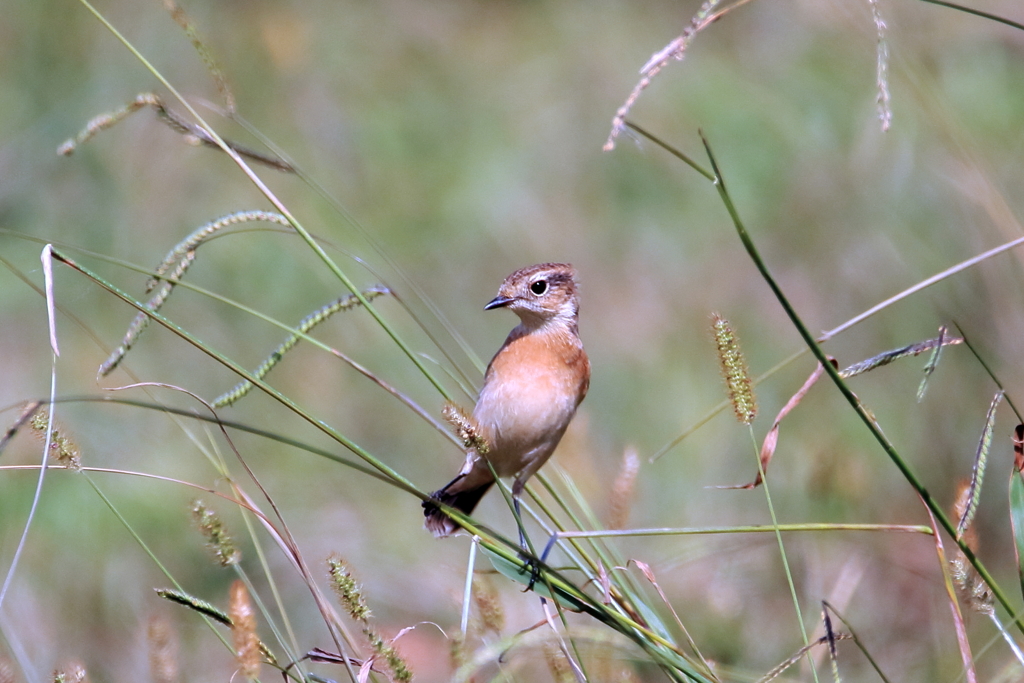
[(531, 391)]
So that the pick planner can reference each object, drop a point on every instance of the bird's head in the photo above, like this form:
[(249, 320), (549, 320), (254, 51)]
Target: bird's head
[(540, 293)]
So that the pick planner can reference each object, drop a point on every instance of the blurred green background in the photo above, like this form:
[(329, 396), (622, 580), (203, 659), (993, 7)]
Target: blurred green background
[(466, 138)]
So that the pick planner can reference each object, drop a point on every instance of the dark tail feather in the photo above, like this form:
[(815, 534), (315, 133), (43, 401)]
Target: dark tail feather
[(439, 523)]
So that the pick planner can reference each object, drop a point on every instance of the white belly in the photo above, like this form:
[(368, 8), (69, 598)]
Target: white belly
[(524, 420)]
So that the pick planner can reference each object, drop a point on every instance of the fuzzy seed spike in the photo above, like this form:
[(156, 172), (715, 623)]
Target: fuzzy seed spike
[(243, 631), (217, 537), (734, 370), (347, 590)]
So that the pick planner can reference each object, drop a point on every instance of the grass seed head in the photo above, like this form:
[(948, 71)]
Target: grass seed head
[(62, 448), (734, 370), (347, 589), (465, 428), (488, 604), (217, 537), (243, 631)]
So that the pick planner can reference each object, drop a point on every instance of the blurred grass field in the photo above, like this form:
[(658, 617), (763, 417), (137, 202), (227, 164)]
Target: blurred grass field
[(465, 138)]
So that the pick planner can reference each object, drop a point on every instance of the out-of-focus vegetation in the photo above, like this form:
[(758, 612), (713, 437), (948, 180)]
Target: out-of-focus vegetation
[(465, 139)]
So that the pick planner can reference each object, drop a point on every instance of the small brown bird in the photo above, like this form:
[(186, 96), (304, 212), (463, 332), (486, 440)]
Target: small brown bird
[(531, 390)]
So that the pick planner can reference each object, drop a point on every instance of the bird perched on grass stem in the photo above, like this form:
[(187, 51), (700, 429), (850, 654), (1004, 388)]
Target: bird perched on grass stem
[(531, 390)]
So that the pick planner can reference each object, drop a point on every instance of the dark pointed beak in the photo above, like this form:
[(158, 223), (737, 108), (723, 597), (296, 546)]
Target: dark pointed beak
[(497, 302)]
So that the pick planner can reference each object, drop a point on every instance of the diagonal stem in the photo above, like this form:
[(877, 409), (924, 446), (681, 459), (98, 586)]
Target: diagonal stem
[(866, 417)]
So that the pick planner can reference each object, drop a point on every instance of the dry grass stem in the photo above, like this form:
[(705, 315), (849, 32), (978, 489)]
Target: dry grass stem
[(771, 439), (675, 50), (950, 583)]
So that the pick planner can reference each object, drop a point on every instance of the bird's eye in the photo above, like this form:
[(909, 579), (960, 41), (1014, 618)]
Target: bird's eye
[(539, 287)]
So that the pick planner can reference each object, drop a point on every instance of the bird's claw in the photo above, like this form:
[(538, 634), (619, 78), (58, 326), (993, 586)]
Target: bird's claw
[(532, 566)]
